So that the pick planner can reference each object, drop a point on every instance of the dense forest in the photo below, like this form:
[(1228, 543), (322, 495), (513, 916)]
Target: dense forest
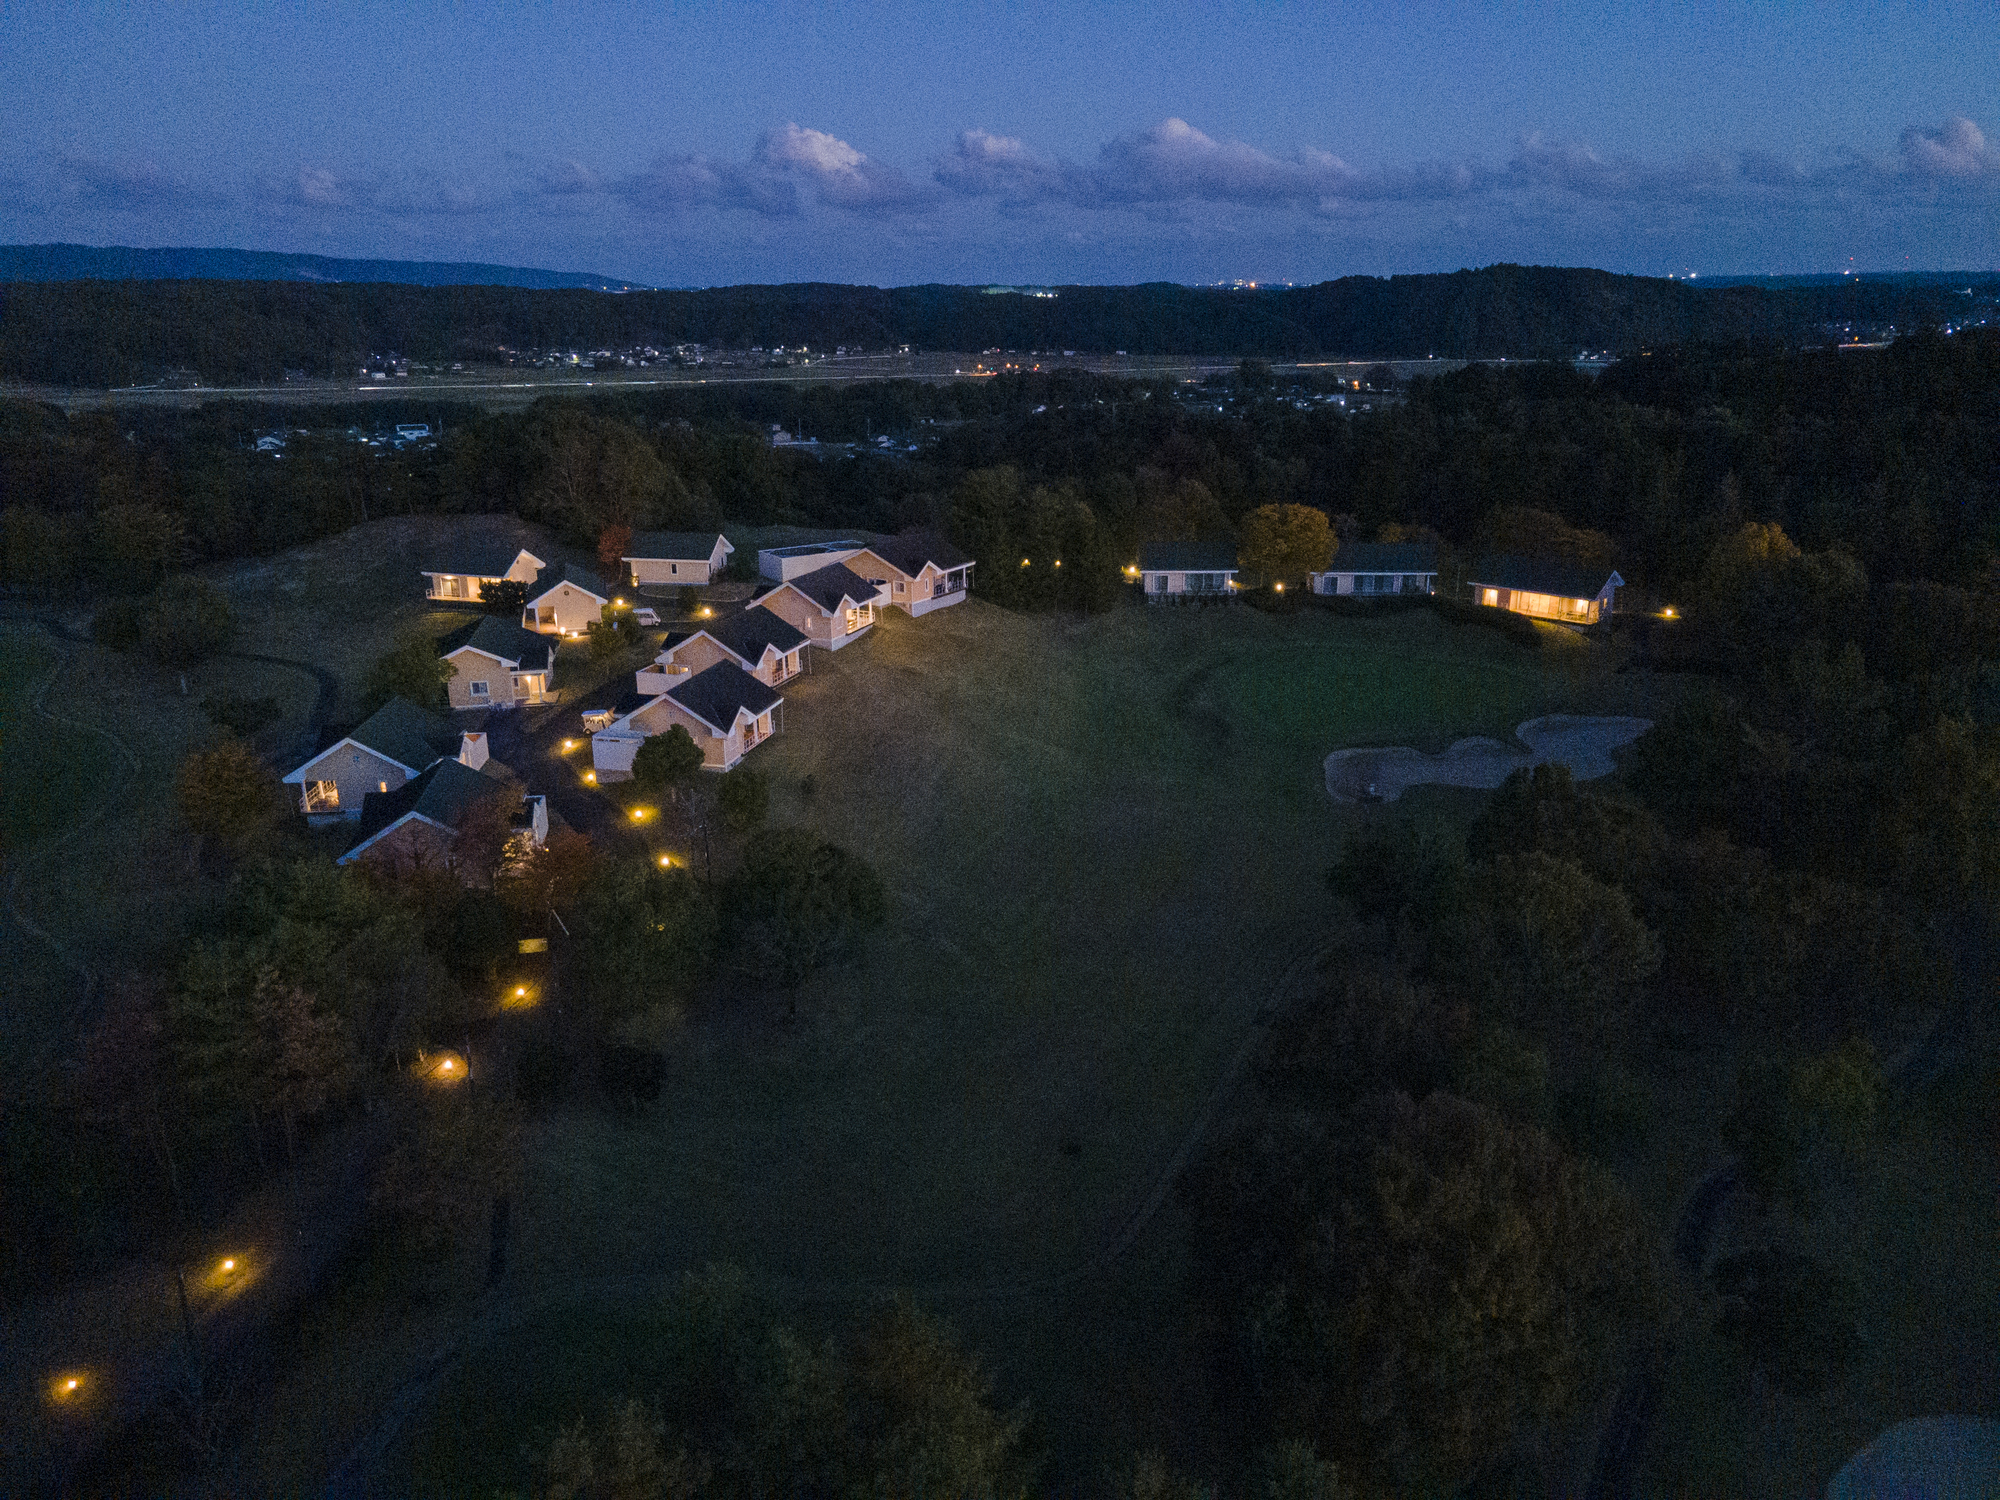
[(1794, 872), (104, 333), (1891, 457)]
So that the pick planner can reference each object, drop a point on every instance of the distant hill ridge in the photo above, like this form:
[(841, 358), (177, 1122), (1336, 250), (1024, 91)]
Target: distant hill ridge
[(124, 263), (114, 333)]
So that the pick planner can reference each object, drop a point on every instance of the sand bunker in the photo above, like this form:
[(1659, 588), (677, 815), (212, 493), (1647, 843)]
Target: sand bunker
[(1583, 744)]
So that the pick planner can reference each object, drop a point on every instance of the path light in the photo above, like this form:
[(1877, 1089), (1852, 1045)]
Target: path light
[(569, 744), (666, 862), (67, 1387), (638, 815), (1279, 586), (706, 611), (228, 1264), (591, 777), (617, 603), (1667, 613)]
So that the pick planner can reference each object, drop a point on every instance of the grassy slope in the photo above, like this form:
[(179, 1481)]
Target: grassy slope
[(1103, 842)]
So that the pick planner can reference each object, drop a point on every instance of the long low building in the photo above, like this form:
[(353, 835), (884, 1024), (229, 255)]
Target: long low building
[(1545, 589), (1372, 569)]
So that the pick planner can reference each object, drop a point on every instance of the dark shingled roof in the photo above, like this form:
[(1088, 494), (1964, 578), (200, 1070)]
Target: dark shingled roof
[(506, 639), (1384, 557), (750, 631), (827, 586), (672, 546), (478, 562), (1541, 575), (910, 553), (714, 694), (576, 573), (1188, 557), (409, 735), (442, 794)]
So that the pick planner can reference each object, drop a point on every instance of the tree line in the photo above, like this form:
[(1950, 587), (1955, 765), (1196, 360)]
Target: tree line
[(115, 333)]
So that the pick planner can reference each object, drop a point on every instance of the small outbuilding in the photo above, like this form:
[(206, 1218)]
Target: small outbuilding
[(569, 606)]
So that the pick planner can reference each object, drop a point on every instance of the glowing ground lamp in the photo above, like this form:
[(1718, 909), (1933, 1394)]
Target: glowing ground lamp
[(69, 1387), (591, 777)]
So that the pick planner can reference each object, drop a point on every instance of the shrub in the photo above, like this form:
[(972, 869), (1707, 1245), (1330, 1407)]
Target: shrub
[(186, 621)]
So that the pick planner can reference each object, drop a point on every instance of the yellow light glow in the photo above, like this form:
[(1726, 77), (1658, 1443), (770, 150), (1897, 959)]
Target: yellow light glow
[(229, 1263), (1280, 587), (590, 776), (666, 863), (1667, 613), (445, 1066), (569, 744), (638, 815), (66, 1387), (618, 603), (1059, 562), (1024, 562), (706, 611), (520, 989)]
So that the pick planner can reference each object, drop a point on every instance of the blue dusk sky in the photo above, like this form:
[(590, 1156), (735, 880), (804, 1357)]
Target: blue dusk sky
[(706, 144)]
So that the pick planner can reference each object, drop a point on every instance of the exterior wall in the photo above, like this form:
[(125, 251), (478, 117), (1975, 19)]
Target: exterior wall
[(467, 586), (413, 844), (800, 613), (785, 569), (563, 610), (1177, 585), (1543, 606), (1400, 583), (669, 570), (356, 772), (611, 752), (696, 655), (505, 686), (717, 752)]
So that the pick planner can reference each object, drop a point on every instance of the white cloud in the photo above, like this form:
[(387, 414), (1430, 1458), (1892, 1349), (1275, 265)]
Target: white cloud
[(1956, 149)]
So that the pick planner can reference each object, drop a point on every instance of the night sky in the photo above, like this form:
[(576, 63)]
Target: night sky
[(705, 144)]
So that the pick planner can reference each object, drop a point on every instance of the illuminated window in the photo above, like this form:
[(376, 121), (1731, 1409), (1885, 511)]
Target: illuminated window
[(383, 785)]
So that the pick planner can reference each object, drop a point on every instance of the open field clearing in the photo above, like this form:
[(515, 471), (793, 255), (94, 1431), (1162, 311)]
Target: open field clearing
[(1103, 842)]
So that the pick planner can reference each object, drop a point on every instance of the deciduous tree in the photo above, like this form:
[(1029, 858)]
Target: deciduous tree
[(797, 904), (230, 798), (1285, 542), (411, 669), (667, 762)]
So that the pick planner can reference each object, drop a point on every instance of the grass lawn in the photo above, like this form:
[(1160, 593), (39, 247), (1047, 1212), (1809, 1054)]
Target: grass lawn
[(1103, 842), (86, 778)]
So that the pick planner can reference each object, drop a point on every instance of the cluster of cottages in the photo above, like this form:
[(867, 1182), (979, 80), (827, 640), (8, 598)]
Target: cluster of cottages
[(1547, 590), (407, 777), (720, 682)]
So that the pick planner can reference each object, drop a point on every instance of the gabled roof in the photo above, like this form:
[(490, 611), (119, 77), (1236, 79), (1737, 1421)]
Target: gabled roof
[(480, 562), (748, 632), (745, 636), (440, 795), (1541, 575), (715, 694), (577, 575), (1384, 557), (400, 731), (833, 586), (1188, 557), (910, 553), (504, 639), (675, 546)]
